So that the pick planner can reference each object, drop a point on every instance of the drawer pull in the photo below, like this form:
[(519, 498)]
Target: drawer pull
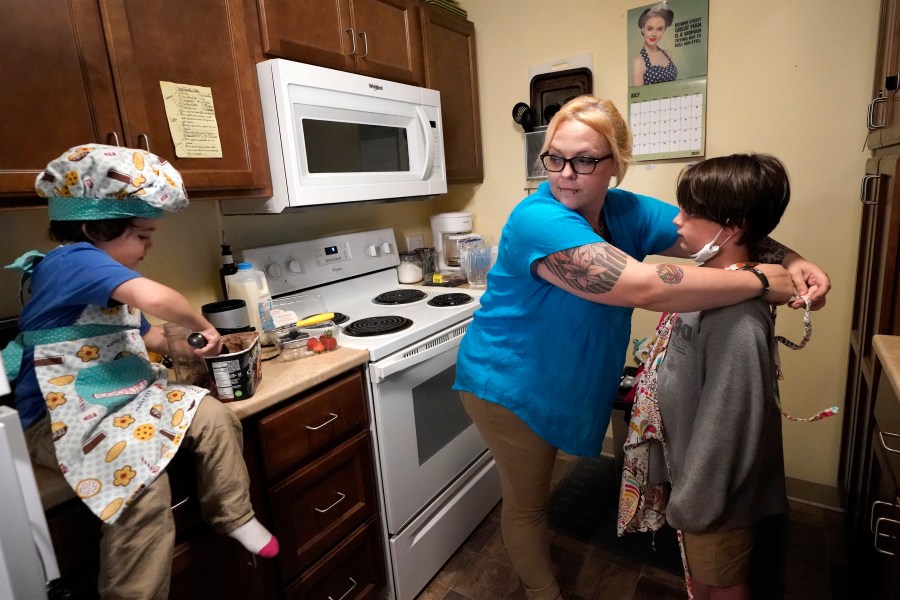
[(333, 417), (114, 136), (146, 139), (365, 38), (336, 502), (875, 505), (864, 189), (870, 114), (882, 434), (878, 534), (353, 39), (352, 587)]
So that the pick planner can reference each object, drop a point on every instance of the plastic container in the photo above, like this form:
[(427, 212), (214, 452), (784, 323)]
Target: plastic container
[(410, 268), (250, 286), (301, 342), (188, 367)]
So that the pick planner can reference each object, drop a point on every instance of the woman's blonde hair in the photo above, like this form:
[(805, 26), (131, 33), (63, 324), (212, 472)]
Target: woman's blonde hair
[(603, 117)]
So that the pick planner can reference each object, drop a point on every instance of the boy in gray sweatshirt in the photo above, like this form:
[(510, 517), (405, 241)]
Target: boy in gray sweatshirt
[(718, 389)]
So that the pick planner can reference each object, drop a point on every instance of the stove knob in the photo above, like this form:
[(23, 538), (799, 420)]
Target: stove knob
[(273, 270), (386, 247), (371, 250), (294, 267)]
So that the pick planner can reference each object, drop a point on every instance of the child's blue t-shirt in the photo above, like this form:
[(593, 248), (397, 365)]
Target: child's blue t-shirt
[(552, 358), (68, 279)]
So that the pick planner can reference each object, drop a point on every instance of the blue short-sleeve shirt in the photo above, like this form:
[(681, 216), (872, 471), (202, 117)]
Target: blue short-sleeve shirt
[(551, 357)]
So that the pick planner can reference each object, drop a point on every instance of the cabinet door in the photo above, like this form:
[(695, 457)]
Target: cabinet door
[(317, 32), (57, 89), (450, 68), (388, 39), (199, 43), (884, 110)]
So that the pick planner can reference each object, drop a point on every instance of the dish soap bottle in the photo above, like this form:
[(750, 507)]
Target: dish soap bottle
[(251, 287)]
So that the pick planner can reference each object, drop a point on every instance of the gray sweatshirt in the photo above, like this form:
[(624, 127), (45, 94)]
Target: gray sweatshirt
[(717, 396)]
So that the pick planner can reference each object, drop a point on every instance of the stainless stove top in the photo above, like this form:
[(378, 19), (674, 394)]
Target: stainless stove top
[(349, 271)]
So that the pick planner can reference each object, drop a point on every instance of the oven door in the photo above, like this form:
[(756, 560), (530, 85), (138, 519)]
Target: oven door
[(425, 438)]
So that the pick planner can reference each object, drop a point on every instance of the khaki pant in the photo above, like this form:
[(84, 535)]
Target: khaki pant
[(525, 462), (136, 551)]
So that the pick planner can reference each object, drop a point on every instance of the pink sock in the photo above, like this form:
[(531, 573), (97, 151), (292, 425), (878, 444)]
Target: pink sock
[(256, 538)]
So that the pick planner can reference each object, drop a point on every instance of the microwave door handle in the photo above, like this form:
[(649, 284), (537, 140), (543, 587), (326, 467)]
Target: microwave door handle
[(429, 143)]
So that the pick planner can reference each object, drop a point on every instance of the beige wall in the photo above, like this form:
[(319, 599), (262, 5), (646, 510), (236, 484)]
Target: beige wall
[(789, 78)]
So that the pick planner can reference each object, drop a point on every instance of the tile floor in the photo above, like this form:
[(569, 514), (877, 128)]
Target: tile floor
[(480, 569)]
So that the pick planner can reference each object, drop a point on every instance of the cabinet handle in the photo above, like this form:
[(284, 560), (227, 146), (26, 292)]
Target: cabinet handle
[(336, 502), (146, 141), (881, 435), (875, 505), (352, 587), (864, 189), (870, 116), (878, 534), (352, 39), (177, 504), (333, 417), (365, 38), (114, 136)]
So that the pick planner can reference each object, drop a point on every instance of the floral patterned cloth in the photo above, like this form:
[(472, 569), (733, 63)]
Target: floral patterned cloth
[(116, 421)]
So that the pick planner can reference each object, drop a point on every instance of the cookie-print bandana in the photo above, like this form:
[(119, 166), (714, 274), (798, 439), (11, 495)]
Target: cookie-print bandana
[(116, 421)]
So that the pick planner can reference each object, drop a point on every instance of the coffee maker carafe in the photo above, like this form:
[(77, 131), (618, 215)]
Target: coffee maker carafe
[(446, 230)]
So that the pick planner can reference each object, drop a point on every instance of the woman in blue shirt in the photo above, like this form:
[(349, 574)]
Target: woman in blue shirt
[(539, 365)]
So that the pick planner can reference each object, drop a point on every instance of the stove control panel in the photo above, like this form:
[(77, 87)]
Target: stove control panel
[(296, 266)]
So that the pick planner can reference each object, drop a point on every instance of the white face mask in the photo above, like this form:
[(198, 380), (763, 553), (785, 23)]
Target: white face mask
[(710, 249)]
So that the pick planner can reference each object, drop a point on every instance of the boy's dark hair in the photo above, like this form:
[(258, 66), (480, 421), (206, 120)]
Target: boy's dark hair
[(748, 190), (102, 230)]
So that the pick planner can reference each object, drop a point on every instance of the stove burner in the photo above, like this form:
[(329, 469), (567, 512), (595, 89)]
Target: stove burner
[(399, 297), (337, 319), (377, 326), (454, 299)]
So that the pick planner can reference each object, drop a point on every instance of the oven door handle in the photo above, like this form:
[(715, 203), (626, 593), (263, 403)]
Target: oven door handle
[(427, 348)]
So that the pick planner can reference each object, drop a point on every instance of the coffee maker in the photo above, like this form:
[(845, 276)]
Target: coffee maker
[(446, 230)]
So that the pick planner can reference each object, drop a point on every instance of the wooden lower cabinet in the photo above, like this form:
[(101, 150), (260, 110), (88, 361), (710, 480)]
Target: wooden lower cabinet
[(312, 484)]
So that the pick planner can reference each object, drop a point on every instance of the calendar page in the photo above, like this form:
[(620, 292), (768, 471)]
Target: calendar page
[(668, 119), (667, 71)]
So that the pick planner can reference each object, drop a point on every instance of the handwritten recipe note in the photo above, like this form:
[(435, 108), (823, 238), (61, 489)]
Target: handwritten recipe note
[(192, 120)]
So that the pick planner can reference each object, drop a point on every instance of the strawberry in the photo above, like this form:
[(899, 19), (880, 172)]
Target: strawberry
[(318, 347), (330, 343), (311, 342)]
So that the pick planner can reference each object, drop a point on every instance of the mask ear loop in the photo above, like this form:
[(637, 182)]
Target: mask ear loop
[(807, 333)]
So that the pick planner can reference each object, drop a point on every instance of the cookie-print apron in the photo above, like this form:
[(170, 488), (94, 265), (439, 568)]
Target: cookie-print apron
[(116, 421)]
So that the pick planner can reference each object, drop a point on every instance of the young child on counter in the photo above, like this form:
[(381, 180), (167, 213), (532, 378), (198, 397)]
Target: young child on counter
[(716, 387), (91, 403)]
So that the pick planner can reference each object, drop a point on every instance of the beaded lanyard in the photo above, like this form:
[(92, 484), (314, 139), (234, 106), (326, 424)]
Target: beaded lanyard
[(807, 333)]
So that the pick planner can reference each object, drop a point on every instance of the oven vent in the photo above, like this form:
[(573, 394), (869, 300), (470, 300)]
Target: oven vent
[(437, 340)]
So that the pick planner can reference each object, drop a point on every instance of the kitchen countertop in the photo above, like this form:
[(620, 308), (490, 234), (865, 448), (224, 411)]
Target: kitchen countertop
[(887, 347), (283, 379), (280, 381)]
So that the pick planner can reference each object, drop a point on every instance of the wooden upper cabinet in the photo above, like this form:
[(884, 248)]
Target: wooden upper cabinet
[(57, 90), (883, 117), (198, 43), (88, 71), (381, 38), (317, 32), (450, 68)]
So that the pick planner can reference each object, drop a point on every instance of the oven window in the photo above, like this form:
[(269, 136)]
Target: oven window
[(340, 147), (439, 414)]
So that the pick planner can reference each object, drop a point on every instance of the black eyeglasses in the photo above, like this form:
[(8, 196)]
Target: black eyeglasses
[(583, 165)]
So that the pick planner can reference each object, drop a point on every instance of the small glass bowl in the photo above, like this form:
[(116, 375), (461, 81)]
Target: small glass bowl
[(300, 342)]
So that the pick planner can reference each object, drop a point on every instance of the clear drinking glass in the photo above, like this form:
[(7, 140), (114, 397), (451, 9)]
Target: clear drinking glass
[(475, 260)]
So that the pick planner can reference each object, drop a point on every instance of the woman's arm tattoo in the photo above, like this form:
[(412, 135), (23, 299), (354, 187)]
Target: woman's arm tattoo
[(769, 251), (592, 268), (671, 274)]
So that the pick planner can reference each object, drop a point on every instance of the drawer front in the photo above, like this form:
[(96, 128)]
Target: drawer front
[(323, 502), (354, 570), (886, 435), (313, 424)]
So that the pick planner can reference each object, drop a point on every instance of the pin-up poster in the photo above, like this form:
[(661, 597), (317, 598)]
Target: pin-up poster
[(667, 67)]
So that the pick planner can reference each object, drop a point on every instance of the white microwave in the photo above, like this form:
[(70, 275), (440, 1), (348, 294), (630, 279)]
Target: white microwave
[(336, 137)]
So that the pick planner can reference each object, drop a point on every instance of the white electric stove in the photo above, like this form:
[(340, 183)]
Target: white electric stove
[(436, 478)]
